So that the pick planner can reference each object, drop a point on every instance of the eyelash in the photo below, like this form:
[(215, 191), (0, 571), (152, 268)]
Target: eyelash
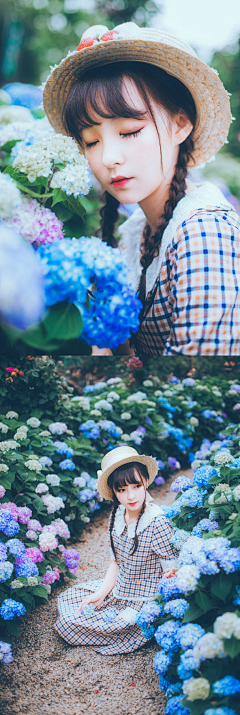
[(129, 134), (135, 485)]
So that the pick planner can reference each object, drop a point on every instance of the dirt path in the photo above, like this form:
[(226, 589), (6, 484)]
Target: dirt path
[(49, 676)]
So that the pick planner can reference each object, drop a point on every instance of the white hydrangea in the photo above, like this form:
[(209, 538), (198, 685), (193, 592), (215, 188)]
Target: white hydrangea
[(32, 581), (33, 422), (225, 494), (48, 541), (125, 438), (8, 444), (52, 503), (11, 415), (41, 488), (148, 383), (57, 427), (21, 432), (158, 393), (215, 446), (114, 380), (10, 196), (113, 396), (33, 465), (126, 416), (187, 578), (82, 402), (96, 413), (16, 584), (45, 433), (196, 463), (103, 405), (196, 689), (223, 456), (15, 130), (3, 467), (14, 113), (236, 492), (3, 428), (137, 397), (53, 479), (194, 421), (225, 625), (86, 519), (209, 646), (73, 179), (150, 403)]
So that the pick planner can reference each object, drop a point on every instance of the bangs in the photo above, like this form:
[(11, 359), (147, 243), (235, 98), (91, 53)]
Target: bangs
[(99, 92), (126, 474)]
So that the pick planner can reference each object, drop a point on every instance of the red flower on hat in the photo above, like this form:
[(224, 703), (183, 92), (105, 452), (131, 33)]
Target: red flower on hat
[(87, 42), (109, 35)]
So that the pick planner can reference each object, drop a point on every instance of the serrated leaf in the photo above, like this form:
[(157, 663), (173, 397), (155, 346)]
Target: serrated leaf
[(41, 591), (59, 196), (75, 205)]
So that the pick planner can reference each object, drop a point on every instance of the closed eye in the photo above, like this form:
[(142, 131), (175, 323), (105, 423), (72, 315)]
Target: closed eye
[(129, 134)]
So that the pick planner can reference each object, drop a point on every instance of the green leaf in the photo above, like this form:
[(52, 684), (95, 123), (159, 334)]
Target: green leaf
[(203, 601), (13, 628), (221, 585), (41, 591), (27, 598), (192, 613), (62, 322), (71, 575), (59, 196), (74, 205), (8, 146), (231, 647)]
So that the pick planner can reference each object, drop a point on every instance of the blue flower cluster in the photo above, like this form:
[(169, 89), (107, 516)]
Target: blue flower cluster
[(203, 474), (189, 634), (95, 388), (180, 484), (192, 497), (7, 523), (63, 448), (162, 661), (26, 567), (148, 613), (3, 551), (227, 686), (16, 547), (209, 555), (219, 711), (179, 537), (177, 607), (11, 608), (175, 707), (111, 428), (168, 587), (236, 600), (167, 635), (67, 464), (204, 525), (71, 267), (5, 653), (24, 95), (6, 569), (87, 494)]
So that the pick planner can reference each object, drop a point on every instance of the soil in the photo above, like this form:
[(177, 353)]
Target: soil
[(49, 676)]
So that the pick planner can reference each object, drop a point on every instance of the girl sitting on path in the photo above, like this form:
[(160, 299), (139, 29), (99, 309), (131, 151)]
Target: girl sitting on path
[(143, 109), (140, 549)]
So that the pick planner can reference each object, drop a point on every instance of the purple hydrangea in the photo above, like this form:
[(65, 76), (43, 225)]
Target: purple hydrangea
[(180, 484), (160, 464), (159, 480), (11, 608), (86, 494), (24, 514)]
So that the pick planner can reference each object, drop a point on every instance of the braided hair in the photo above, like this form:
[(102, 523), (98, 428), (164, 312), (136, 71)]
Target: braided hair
[(109, 217), (122, 476)]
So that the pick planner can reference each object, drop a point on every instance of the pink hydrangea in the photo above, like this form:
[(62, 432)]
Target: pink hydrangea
[(31, 534), (48, 541), (24, 514), (34, 524), (10, 506), (61, 528), (51, 576), (2, 491), (52, 503), (237, 406), (36, 224), (34, 554)]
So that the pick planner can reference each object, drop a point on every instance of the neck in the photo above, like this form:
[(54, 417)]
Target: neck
[(130, 517), (153, 205)]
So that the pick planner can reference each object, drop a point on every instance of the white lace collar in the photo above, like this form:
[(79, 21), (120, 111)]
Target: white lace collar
[(144, 521), (204, 196)]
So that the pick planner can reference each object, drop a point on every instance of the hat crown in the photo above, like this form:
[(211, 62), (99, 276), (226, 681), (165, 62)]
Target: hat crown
[(116, 455)]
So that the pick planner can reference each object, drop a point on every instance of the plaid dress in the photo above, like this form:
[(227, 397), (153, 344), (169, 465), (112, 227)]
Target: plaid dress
[(112, 627), (193, 287)]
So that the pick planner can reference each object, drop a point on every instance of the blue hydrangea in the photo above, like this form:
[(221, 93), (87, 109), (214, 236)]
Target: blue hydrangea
[(46, 461), (174, 380), (226, 686), (175, 707), (148, 631), (6, 569), (86, 494), (11, 608), (94, 388), (111, 428), (208, 414), (203, 474), (7, 523), (192, 497), (162, 661), (173, 688), (95, 433), (168, 587), (183, 674), (189, 634), (67, 464), (180, 484), (167, 635), (177, 607), (110, 614), (26, 568), (3, 551), (230, 560), (16, 547), (179, 537), (148, 613), (219, 711), (87, 426), (63, 448), (164, 683), (189, 382), (171, 510), (93, 505), (188, 662), (204, 525), (5, 653), (236, 600), (24, 95)]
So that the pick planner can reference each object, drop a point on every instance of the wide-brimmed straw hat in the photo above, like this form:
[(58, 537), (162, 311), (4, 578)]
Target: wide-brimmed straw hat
[(117, 457), (130, 42)]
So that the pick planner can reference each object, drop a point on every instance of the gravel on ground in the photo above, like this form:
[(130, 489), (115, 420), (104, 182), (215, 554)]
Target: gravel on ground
[(49, 676)]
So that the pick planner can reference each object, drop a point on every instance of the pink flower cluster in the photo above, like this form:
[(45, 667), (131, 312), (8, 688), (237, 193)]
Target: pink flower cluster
[(2, 491), (36, 224), (34, 554), (52, 503), (61, 528), (34, 524), (47, 539), (51, 576), (10, 506)]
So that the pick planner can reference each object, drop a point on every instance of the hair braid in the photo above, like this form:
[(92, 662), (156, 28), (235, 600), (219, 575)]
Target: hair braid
[(177, 190), (111, 525), (135, 543), (109, 216)]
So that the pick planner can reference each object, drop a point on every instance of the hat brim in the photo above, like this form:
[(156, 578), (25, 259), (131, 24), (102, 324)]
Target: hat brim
[(152, 466), (210, 97)]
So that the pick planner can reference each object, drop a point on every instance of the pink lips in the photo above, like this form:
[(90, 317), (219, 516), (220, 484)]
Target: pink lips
[(120, 181)]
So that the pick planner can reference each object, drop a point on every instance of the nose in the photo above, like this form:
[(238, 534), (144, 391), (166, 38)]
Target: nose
[(131, 494), (112, 154)]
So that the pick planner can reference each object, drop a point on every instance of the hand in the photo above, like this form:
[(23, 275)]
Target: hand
[(100, 351), (97, 598), (169, 574)]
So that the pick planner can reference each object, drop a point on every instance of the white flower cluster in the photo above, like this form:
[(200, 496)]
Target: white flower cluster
[(136, 397), (3, 467), (53, 479), (15, 130), (14, 113), (10, 196), (16, 584), (40, 158), (45, 433), (187, 577), (52, 503), (236, 492), (82, 402), (208, 646), (126, 416), (196, 689), (104, 405), (113, 396), (47, 540), (21, 432), (41, 488), (225, 494), (194, 421), (57, 427), (11, 415), (8, 444), (227, 626), (3, 428), (33, 465), (223, 456), (33, 422)]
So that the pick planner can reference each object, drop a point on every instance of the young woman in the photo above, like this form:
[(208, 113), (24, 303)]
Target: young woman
[(143, 108), (140, 550)]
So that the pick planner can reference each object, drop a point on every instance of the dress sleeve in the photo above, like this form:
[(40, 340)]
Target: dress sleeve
[(161, 543), (203, 284)]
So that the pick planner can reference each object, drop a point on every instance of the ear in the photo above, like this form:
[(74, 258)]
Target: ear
[(182, 127)]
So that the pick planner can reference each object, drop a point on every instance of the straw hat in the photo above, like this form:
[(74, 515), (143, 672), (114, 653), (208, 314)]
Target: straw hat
[(114, 459), (130, 42)]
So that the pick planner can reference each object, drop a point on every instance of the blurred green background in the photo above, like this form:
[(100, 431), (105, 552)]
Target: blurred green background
[(35, 34)]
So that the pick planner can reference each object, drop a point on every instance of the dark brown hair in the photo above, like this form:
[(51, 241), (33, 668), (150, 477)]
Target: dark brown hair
[(121, 477), (101, 90)]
